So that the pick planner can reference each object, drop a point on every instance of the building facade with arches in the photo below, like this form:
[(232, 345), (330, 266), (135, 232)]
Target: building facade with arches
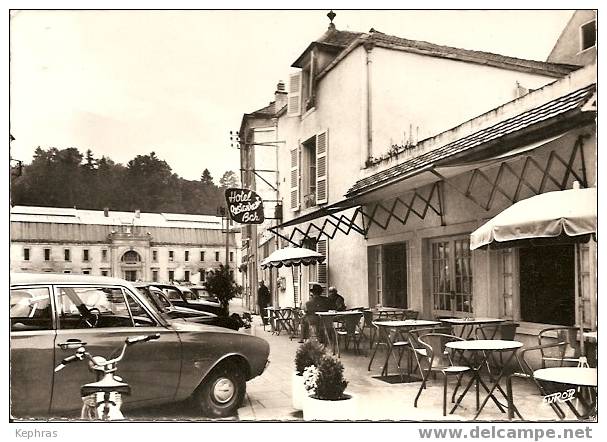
[(136, 246)]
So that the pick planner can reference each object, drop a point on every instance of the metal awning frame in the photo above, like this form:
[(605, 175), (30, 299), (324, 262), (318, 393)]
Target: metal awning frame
[(362, 220)]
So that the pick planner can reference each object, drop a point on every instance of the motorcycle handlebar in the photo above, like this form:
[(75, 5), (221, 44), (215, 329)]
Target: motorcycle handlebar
[(66, 361)]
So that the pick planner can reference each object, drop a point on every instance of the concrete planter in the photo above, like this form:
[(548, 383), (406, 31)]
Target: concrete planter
[(298, 391), (322, 410)]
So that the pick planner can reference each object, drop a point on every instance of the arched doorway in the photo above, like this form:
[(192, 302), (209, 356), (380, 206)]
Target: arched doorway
[(131, 265)]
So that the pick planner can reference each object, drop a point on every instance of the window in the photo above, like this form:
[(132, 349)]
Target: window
[(186, 276), (588, 35), (154, 255), (308, 177), (104, 255), (47, 254), (202, 274), (66, 254), (202, 255), (231, 256), (86, 271), (31, 309), (309, 173), (99, 307), (104, 273), (67, 271), (171, 275), (171, 255), (26, 254), (451, 276), (187, 255), (85, 255), (131, 257), (155, 275), (388, 275), (216, 256)]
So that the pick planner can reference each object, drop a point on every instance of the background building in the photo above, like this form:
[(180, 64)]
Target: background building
[(129, 245)]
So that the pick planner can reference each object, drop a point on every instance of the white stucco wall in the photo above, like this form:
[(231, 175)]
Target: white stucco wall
[(433, 94)]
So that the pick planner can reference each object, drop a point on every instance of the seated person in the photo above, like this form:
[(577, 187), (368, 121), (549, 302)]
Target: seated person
[(317, 303), (336, 301)]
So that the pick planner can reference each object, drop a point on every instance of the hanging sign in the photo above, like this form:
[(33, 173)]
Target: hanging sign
[(245, 206)]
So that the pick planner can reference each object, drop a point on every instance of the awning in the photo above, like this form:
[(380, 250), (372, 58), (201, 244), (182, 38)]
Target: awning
[(292, 256), (570, 213)]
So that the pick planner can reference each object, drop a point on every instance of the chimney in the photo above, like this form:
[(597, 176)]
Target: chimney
[(280, 96), (137, 213), (106, 212)]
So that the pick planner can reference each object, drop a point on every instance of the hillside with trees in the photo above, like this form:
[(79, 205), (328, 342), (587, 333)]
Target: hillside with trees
[(68, 178)]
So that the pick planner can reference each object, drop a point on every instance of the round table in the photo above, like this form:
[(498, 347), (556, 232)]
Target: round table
[(574, 376), (485, 347), (580, 376)]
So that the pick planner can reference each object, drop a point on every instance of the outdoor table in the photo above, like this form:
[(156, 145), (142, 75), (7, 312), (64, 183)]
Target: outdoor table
[(327, 318), (574, 376), (468, 324), (283, 319), (484, 348), (387, 312), (401, 331)]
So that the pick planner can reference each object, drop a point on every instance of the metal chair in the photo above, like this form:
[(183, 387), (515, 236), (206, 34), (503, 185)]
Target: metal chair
[(526, 372), (439, 361), (297, 315), (505, 331), (283, 321), (568, 351), (350, 331)]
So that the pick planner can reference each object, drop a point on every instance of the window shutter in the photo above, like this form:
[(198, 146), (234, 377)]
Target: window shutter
[(294, 179), (294, 98), (322, 168), (322, 276)]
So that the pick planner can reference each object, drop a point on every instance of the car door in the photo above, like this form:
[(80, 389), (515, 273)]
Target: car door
[(103, 316), (31, 351)]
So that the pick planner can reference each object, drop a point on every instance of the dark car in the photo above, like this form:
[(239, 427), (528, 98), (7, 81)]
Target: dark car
[(53, 314), (202, 293), (183, 297), (164, 304)]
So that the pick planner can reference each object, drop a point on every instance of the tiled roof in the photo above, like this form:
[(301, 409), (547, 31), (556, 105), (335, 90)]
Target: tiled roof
[(333, 37), (58, 215), (548, 110), (468, 55)]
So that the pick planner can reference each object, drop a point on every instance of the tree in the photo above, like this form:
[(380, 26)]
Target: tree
[(228, 179), (220, 283), (206, 177)]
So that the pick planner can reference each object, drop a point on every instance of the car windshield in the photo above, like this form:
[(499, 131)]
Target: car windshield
[(154, 300)]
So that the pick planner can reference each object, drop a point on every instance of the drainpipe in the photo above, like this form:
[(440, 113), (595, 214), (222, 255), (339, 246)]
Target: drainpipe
[(369, 120)]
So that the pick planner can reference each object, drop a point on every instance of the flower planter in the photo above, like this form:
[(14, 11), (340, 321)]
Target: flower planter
[(298, 391), (325, 410)]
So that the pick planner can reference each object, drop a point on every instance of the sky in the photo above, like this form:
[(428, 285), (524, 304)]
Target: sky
[(125, 83)]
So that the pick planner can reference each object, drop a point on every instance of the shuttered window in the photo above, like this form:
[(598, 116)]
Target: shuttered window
[(295, 178), (321, 168), (322, 269), (294, 98)]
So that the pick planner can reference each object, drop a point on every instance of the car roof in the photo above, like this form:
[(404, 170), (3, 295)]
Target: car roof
[(20, 278)]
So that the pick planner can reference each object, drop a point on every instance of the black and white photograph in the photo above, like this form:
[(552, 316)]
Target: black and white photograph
[(303, 216)]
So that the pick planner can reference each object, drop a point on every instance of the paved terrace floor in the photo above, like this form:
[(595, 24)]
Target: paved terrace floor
[(269, 396)]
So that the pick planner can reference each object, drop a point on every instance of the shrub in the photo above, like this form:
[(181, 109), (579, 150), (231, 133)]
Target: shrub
[(329, 379), (307, 354)]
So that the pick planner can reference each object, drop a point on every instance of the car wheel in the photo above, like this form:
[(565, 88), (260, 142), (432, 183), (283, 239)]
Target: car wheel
[(222, 391)]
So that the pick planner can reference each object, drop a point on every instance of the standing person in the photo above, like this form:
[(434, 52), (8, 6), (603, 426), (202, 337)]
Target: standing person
[(336, 301), (317, 303), (263, 300)]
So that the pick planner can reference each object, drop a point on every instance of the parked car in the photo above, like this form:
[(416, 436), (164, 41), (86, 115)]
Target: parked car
[(182, 296), (202, 293), (53, 314), (173, 312)]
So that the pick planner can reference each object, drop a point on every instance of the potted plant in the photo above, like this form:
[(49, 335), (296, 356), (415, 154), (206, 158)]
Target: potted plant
[(325, 384), (307, 354)]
